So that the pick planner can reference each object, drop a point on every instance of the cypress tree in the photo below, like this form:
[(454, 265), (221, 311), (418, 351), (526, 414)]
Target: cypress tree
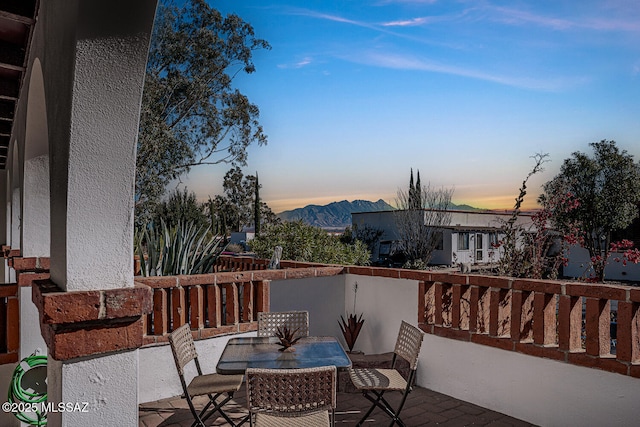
[(256, 208), (418, 193)]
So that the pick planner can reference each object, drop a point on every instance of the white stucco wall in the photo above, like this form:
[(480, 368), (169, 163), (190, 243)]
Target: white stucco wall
[(36, 225), (30, 335), (107, 384), (322, 297), (540, 391)]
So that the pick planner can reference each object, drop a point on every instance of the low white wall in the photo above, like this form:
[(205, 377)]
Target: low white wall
[(157, 373), (384, 303), (541, 391), (322, 297)]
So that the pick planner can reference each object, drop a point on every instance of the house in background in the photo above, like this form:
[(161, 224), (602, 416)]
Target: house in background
[(469, 238)]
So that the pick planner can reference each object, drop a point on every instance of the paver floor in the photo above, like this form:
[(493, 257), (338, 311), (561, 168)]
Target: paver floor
[(423, 408)]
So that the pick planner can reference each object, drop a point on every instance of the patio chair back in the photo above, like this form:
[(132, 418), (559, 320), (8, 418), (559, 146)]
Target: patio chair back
[(183, 348), (218, 388), (408, 344), (269, 322), (291, 392)]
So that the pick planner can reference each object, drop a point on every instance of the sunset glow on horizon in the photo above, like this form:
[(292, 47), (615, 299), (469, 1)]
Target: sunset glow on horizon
[(354, 95)]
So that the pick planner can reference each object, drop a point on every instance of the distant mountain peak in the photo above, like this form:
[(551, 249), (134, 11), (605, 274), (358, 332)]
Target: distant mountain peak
[(335, 214)]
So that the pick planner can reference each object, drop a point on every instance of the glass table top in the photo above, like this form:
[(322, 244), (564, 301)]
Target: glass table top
[(264, 352)]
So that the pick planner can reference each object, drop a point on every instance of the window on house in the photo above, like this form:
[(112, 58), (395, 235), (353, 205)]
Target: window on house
[(479, 247), (493, 239), (463, 241), (439, 241)]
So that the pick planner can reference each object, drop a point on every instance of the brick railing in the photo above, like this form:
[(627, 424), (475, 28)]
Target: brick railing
[(214, 304), (9, 323), (247, 263), (568, 322)]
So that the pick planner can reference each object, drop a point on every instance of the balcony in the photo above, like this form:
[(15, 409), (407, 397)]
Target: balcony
[(537, 351)]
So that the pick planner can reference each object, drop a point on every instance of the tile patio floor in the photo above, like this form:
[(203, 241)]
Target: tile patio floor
[(423, 408)]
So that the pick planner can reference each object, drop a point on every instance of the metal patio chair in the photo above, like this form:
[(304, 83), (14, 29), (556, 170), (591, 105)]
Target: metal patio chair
[(211, 385), (373, 383), (269, 322), (292, 397)]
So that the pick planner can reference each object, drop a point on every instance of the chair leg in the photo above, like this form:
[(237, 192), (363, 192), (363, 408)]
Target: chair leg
[(198, 421), (204, 414), (376, 402), (382, 403)]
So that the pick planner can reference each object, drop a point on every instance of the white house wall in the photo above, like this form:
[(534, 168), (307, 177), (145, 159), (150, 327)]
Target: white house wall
[(578, 266), (469, 220)]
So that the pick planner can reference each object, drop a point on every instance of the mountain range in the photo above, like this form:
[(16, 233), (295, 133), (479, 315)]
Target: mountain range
[(337, 215)]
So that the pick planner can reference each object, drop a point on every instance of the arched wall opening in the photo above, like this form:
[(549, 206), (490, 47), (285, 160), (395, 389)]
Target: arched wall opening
[(36, 223)]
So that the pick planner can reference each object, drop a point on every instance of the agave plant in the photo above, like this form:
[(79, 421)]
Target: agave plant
[(181, 249), (287, 337)]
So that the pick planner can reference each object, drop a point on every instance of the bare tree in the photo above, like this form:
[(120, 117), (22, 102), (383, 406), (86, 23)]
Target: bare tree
[(423, 212)]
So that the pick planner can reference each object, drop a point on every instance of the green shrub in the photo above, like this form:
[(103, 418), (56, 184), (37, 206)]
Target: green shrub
[(302, 242)]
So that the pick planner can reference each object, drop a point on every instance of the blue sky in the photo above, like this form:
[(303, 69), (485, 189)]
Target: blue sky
[(355, 93)]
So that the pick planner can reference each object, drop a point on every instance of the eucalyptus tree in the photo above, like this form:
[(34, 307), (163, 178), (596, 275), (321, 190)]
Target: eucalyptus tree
[(191, 114)]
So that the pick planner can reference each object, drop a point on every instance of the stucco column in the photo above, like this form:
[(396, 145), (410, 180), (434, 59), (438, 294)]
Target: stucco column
[(94, 68)]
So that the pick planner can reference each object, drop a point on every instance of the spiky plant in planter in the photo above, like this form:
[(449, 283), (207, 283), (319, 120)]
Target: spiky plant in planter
[(351, 327), (287, 338)]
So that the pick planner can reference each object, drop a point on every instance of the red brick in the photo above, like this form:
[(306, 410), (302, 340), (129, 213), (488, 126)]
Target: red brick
[(222, 330), (56, 306), (72, 343), (541, 351), (27, 278), (490, 281), (459, 279), (415, 275), (543, 286), (634, 294), (330, 271), (8, 358), (569, 323), (628, 348), (362, 271), (457, 334), (13, 325), (599, 291), (8, 290), (248, 327), (31, 263), (501, 343), (196, 279), (634, 370), (605, 364), (159, 281), (128, 302)]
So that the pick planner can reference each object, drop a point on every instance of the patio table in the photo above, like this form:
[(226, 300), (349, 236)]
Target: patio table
[(264, 352)]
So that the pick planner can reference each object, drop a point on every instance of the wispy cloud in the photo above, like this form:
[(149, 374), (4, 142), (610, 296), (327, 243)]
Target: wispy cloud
[(407, 22), (405, 62), (513, 16), (299, 64)]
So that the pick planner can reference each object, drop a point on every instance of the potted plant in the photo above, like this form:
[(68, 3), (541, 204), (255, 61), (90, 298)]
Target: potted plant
[(353, 324)]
